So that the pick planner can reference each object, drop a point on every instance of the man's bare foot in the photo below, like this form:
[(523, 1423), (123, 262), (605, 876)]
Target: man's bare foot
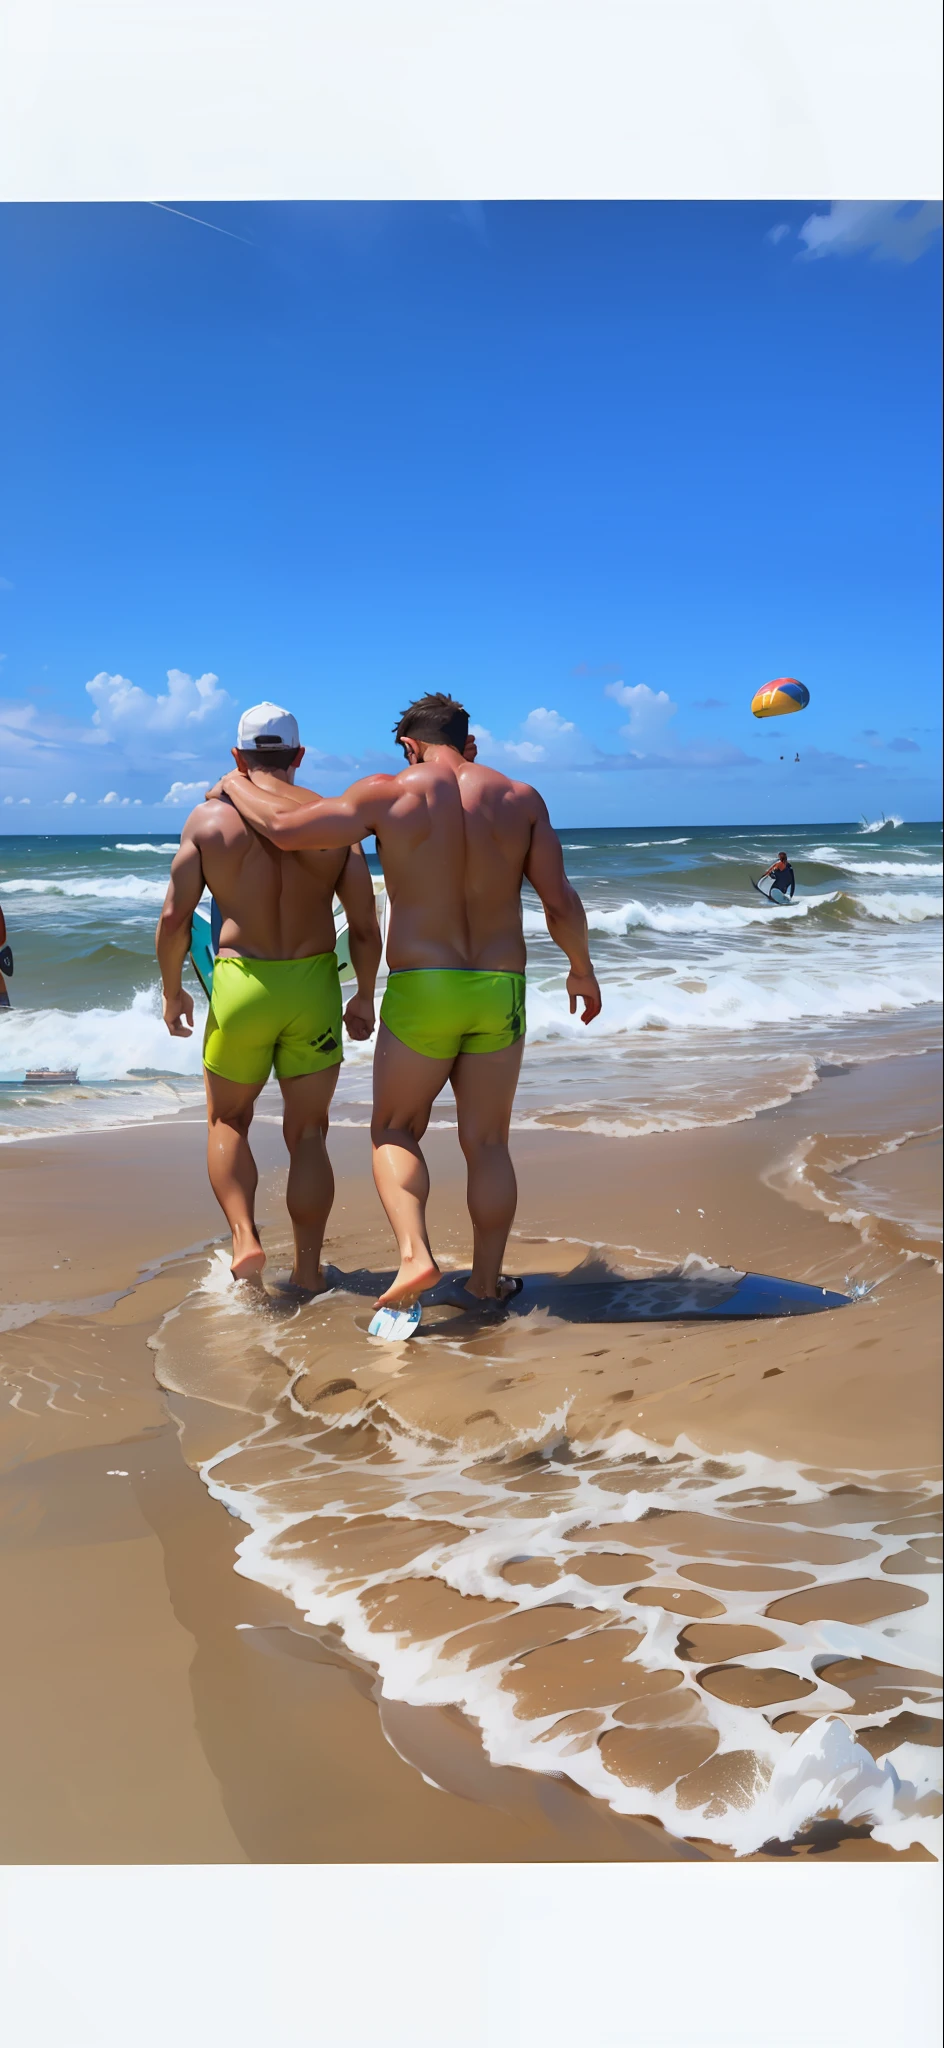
[(287, 1289), (320, 1283), (248, 1258), (308, 1273), (509, 1284), (414, 1277)]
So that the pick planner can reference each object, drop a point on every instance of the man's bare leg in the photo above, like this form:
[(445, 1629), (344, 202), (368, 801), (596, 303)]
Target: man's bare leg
[(484, 1086), (406, 1085), (310, 1189), (232, 1168)]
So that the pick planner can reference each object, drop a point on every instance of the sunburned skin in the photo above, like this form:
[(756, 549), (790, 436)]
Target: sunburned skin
[(456, 840), (275, 905)]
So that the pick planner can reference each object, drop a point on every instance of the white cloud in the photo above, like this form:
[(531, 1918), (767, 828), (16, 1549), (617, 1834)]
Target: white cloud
[(111, 798), (891, 229), (545, 737), (185, 792), (71, 798), (191, 706), (8, 799), (24, 799), (776, 234), (649, 710)]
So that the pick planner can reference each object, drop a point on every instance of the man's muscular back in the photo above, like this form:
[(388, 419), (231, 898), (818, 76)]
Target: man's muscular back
[(454, 840), (275, 906)]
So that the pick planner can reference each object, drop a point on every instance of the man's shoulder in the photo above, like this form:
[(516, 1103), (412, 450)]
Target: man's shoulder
[(214, 819), (520, 793)]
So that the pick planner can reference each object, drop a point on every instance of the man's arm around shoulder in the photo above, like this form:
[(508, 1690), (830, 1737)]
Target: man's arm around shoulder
[(318, 824)]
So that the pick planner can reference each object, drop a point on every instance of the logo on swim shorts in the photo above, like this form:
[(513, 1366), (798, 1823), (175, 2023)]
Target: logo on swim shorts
[(326, 1043), (516, 1018)]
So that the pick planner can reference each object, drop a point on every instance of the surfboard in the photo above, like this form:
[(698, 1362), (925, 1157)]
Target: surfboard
[(776, 902), (203, 942), (395, 1325), (723, 1294)]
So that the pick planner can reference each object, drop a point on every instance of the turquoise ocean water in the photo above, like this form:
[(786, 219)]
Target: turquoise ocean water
[(715, 1004)]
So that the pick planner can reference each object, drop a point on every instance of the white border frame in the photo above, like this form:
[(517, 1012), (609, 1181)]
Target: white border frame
[(469, 99)]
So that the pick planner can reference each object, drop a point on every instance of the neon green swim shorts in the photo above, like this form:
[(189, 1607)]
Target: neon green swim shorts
[(442, 1011), (281, 1012)]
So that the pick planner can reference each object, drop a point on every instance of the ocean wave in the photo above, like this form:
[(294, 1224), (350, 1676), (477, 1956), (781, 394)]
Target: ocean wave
[(731, 999), (881, 824), (591, 846), (913, 870), (99, 888), (108, 1044), (146, 846), (698, 917), (672, 918), (830, 856), (910, 909), (105, 1045)]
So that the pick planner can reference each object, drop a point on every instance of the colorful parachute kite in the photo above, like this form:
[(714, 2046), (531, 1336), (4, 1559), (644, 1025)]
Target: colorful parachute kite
[(776, 699)]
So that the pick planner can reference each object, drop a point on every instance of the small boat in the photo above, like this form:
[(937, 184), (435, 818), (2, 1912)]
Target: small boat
[(52, 1077)]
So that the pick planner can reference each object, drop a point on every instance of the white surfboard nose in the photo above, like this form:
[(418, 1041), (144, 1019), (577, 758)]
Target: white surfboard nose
[(395, 1324)]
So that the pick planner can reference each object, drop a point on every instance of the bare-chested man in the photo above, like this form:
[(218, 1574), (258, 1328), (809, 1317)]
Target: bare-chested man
[(276, 990), (456, 840)]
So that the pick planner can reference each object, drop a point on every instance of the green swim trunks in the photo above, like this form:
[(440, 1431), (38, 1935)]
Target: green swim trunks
[(281, 1012), (442, 1011)]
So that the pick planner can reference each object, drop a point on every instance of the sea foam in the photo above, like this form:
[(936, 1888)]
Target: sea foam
[(477, 1512), (100, 888)]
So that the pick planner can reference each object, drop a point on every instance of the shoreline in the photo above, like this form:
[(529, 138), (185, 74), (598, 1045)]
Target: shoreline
[(176, 1721), (820, 1063)]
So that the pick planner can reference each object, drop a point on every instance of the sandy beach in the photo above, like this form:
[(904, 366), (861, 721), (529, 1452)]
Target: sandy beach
[(548, 1589)]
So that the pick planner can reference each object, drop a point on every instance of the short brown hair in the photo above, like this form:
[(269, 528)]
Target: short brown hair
[(268, 757), (435, 718)]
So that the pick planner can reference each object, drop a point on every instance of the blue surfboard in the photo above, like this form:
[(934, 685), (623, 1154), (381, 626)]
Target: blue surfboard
[(722, 1294), (204, 939)]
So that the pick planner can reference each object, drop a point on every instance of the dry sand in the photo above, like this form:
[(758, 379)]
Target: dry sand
[(161, 1706)]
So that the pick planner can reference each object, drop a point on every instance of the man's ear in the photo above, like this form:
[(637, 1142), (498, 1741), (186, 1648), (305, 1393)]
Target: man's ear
[(470, 750), (240, 763), (413, 750), (299, 758)]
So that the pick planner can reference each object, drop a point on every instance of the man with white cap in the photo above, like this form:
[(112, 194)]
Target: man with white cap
[(276, 998)]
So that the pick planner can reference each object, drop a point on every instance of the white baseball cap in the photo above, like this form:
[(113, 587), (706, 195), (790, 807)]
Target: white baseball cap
[(266, 726)]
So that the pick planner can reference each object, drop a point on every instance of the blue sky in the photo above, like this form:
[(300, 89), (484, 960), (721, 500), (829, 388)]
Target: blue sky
[(599, 470)]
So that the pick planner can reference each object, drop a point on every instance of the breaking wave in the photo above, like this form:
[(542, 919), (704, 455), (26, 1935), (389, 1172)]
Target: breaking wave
[(698, 917), (97, 888)]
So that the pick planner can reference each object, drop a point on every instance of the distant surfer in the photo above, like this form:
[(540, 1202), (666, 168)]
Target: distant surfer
[(276, 989), (782, 878), (456, 841), (6, 962)]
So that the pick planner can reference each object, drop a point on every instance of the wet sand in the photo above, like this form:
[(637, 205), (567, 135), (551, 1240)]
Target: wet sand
[(162, 1705)]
